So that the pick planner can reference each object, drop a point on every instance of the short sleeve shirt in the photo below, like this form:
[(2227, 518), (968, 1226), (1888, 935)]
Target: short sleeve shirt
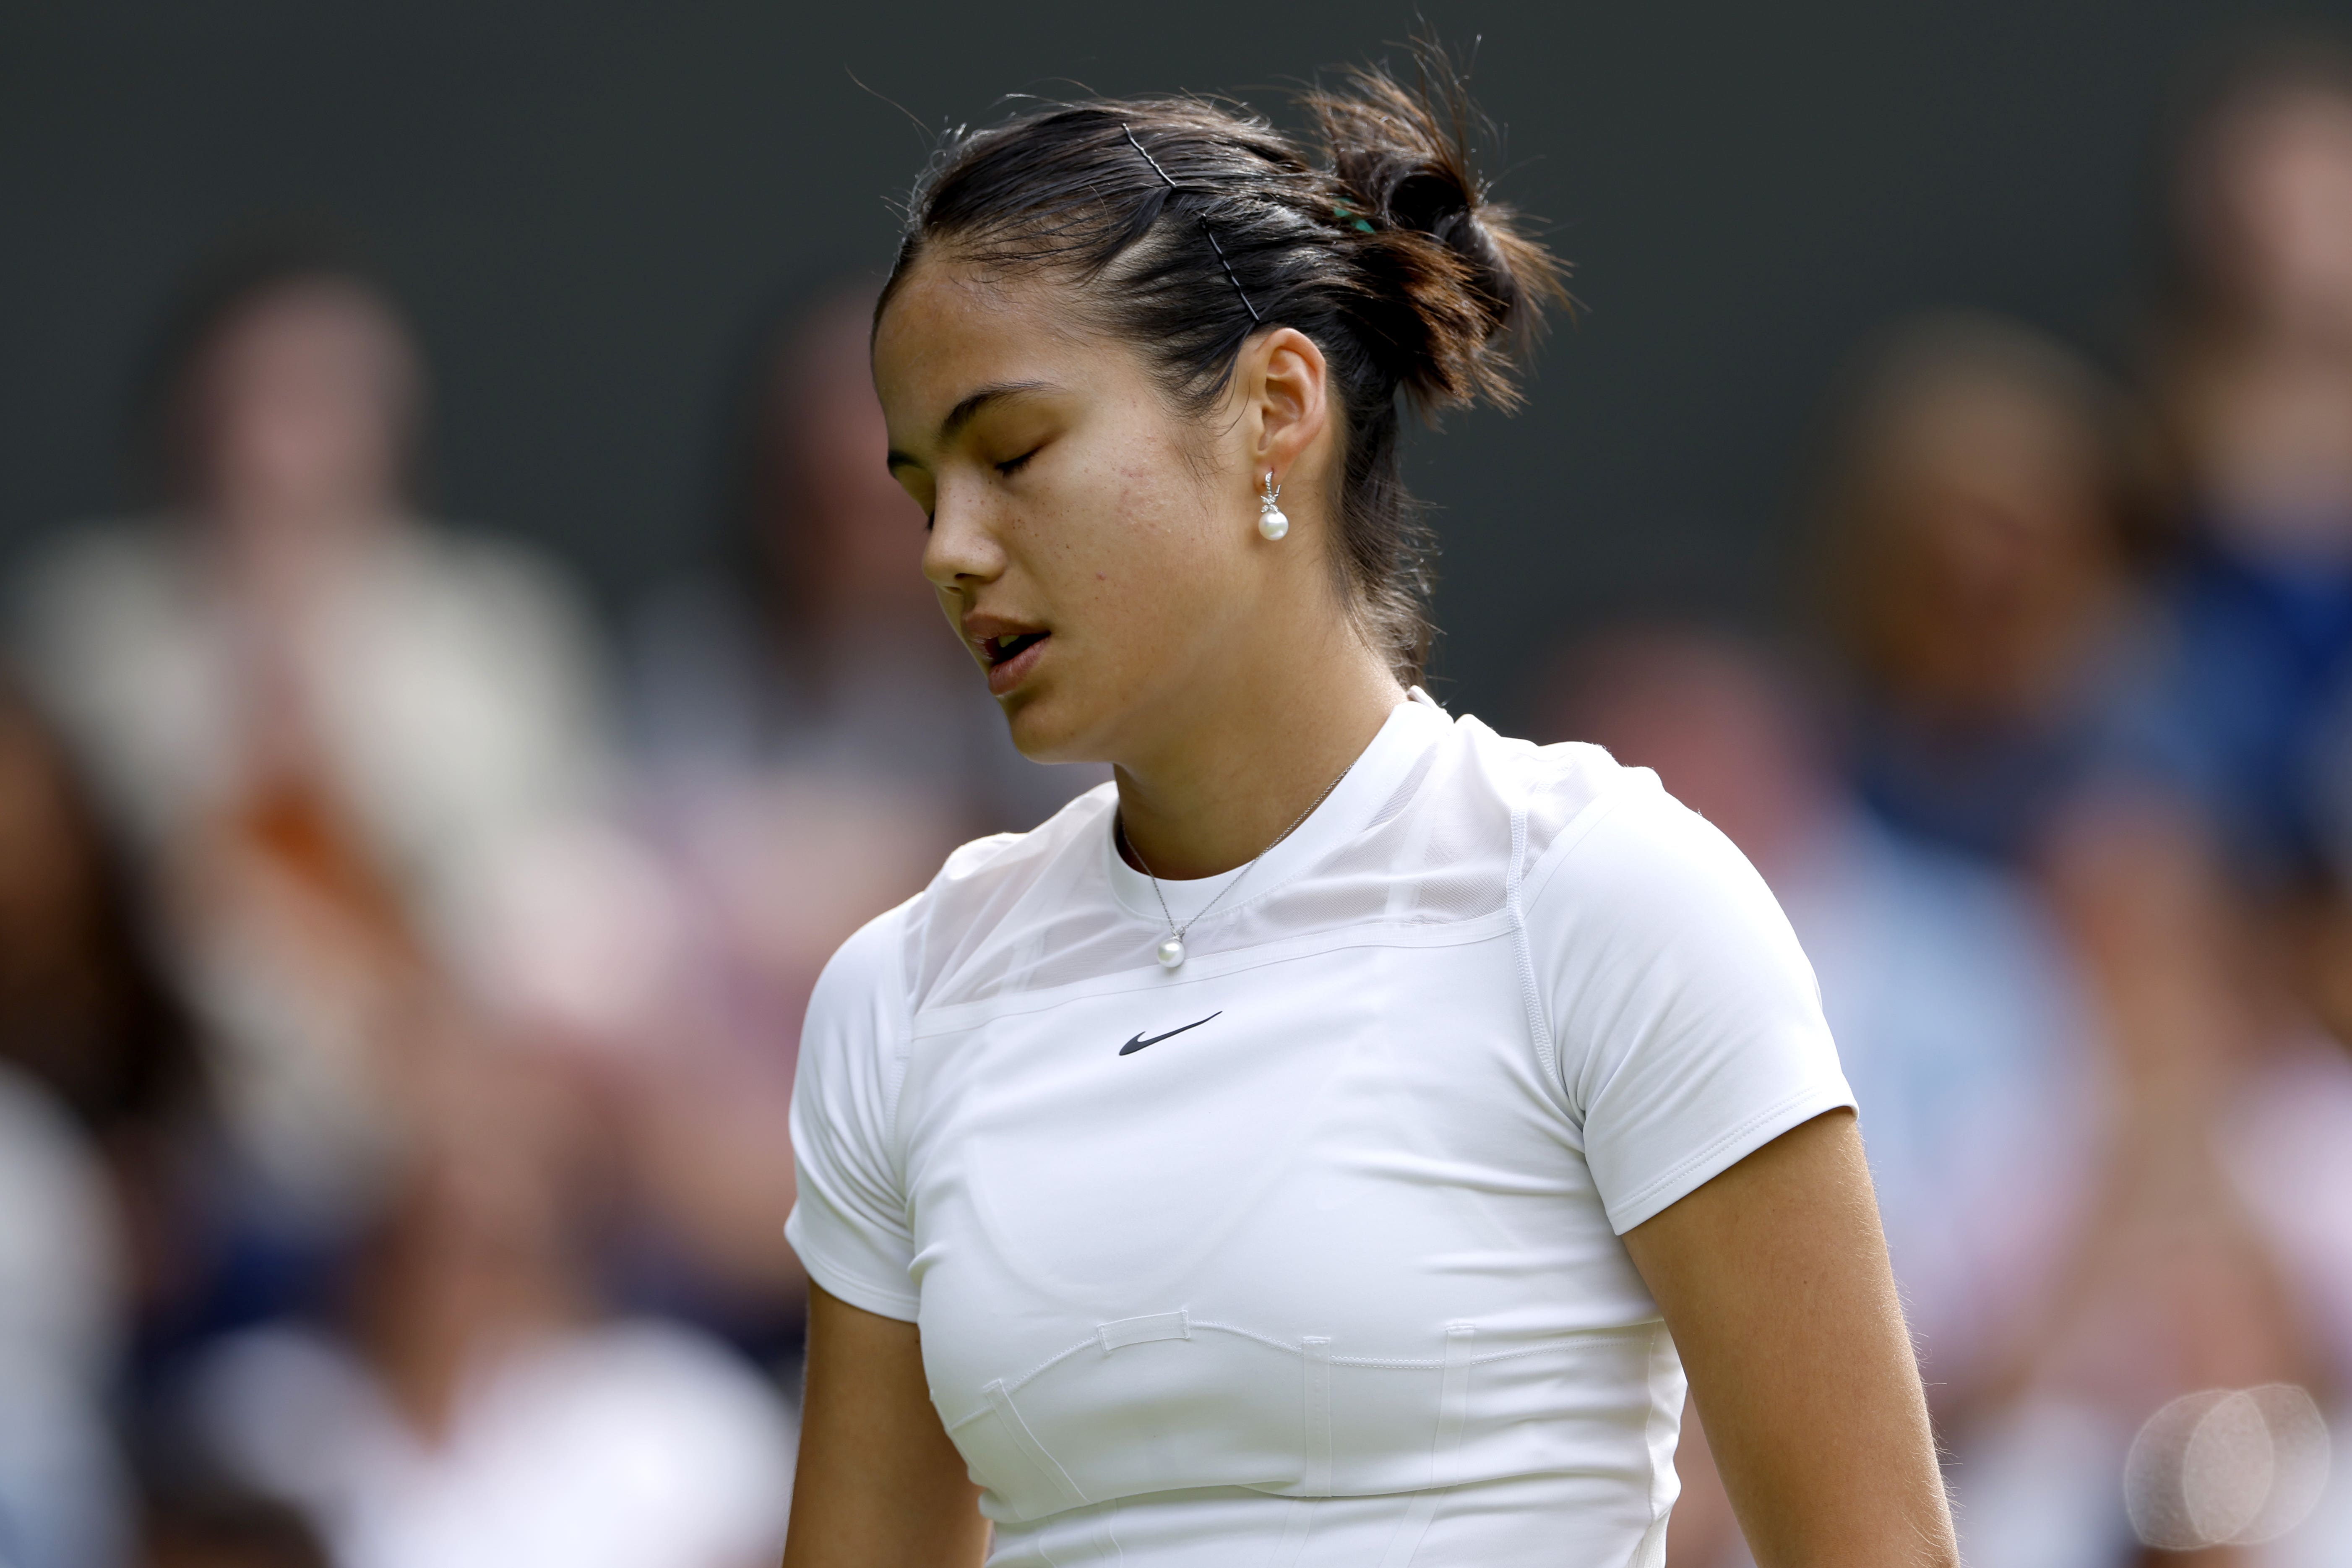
[(1308, 1251)]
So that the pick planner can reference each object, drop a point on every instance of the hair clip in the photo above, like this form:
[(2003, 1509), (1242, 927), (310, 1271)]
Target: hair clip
[(1230, 275)]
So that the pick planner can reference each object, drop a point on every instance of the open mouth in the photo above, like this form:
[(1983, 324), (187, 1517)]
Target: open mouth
[(1010, 659), (1003, 650)]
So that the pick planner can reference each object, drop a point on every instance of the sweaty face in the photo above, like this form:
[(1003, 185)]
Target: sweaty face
[(1091, 543)]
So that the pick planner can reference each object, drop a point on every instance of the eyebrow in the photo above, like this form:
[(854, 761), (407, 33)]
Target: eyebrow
[(964, 412)]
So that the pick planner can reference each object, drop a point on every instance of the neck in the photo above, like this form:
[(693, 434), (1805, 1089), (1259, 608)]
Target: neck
[(1228, 784)]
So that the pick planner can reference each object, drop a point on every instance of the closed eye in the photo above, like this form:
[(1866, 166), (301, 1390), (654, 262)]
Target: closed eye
[(1012, 466)]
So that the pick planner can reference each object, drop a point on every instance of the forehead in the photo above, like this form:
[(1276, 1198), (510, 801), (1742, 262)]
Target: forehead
[(952, 326)]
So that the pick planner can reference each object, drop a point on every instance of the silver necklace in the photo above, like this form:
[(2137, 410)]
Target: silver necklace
[(1170, 951)]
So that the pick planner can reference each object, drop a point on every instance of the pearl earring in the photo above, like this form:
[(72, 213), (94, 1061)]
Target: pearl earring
[(1270, 521)]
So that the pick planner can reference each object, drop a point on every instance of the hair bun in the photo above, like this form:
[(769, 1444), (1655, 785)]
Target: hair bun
[(1434, 201), (1457, 289)]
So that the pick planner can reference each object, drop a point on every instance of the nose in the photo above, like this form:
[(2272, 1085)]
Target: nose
[(961, 551)]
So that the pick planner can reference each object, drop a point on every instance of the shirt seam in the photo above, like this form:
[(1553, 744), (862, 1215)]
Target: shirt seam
[(1369, 1363), (854, 1289), (1141, 978), (1573, 833), (1526, 889), (898, 1049)]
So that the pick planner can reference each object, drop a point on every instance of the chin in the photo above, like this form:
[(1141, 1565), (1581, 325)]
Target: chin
[(1045, 730)]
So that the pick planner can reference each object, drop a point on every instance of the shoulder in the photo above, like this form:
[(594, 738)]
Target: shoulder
[(992, 888), (865, 981), (1682, 1018), (1641, 914), (1563, 791), (1601, 833), (900, 954)]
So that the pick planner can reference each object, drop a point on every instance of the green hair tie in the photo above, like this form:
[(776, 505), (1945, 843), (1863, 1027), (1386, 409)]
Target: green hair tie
[(1343, 210)]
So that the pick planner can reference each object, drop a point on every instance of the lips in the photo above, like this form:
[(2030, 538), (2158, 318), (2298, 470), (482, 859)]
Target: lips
[(1010, 656)]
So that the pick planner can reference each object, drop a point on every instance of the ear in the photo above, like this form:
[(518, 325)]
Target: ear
[(1286, 409)]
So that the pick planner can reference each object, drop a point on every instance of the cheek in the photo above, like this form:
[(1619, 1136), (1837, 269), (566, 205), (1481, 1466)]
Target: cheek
[(1141, 545)]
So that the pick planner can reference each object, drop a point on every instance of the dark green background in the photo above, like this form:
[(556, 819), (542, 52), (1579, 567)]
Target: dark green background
[(585, 204)]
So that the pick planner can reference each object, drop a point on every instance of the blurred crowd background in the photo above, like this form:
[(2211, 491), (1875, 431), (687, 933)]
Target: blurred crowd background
[(405, 923)]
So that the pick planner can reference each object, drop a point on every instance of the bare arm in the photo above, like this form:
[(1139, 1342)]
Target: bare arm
[(1773, 1278), (879, 1485)]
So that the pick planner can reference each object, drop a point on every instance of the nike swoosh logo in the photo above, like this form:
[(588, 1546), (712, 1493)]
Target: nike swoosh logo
[(1137, 1043)]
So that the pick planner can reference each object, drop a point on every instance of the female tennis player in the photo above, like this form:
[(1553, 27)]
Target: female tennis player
[(1330, 1142)]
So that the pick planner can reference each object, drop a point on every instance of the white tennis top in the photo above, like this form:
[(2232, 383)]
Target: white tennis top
[(1306, 1252)]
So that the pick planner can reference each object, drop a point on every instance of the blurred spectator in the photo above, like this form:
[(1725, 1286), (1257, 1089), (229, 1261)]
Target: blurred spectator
[(477, 1405), (2249, 719), (326, 724), (85, 1012), (83, 1007), (62, 1492), (2254, 389), (361, 761), (1971, 564), (1958, 1019), (96, 1092), (2009, 697), (2253, 714), (2173, 1282)]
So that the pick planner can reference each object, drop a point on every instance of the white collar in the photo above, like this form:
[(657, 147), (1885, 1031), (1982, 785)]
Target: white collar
[(1412, 726)]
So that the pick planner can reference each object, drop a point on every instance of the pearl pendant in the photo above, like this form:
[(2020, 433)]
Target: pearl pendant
[(1270, 521), (1171, 951)]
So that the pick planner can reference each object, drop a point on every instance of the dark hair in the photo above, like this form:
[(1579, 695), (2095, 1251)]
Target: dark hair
[(1382, 246)]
